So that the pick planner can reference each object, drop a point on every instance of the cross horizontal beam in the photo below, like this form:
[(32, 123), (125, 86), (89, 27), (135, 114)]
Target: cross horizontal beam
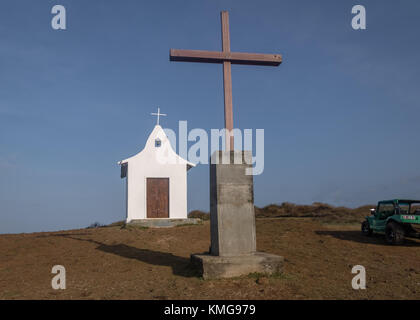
[(220, 57)]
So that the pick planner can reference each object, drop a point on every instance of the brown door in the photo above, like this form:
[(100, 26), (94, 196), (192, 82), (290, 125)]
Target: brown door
[(157, 197)]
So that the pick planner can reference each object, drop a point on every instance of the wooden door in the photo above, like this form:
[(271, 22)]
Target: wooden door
[(157, 197)]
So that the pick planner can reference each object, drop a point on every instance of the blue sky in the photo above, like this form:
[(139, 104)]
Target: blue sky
[(341, 114)]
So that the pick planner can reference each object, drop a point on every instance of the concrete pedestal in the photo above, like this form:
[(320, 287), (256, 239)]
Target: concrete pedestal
[(217, 267), (232, 220), (232, 215)]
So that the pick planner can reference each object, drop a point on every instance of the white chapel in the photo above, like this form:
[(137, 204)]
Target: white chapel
[(156, 180)]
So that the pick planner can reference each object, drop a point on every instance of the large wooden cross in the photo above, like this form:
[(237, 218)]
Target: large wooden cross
[(227, 58)]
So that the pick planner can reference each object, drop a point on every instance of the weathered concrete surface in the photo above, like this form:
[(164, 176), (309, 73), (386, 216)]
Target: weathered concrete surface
[(216, 267), (163, 223), (232, 215), (232, 221)]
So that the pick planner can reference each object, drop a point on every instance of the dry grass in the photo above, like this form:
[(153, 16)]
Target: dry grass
[(199, 214), (325, 212), (135, 263)]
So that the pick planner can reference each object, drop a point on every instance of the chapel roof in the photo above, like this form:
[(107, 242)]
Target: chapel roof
[(164, 149)]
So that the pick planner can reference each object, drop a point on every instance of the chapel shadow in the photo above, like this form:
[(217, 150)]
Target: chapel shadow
[(180, 266), (356, 236)]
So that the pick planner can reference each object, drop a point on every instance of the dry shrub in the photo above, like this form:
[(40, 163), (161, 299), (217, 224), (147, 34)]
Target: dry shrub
[(325, 212), (199, 214)]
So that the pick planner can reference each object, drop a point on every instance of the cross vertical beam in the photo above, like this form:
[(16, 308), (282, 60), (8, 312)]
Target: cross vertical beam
[(227, 82)]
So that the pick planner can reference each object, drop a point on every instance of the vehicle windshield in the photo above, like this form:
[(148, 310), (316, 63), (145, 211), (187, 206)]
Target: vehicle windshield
[(415, 208), (404, 208)]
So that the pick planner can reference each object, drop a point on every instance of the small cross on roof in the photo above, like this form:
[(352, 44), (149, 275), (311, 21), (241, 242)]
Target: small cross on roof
[(158, 114)]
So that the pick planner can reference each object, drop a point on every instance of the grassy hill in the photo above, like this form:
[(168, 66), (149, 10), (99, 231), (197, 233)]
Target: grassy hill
[(117, 262), (325, 212)]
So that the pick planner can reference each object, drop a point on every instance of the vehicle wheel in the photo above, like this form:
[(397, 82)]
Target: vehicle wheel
[(366, 230), (394, 233)]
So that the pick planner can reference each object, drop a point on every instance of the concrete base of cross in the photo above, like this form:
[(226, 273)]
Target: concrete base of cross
[(232, 221), (217, 267)]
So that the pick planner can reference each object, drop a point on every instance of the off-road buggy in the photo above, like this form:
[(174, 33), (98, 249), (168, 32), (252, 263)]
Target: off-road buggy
[(396, 218)]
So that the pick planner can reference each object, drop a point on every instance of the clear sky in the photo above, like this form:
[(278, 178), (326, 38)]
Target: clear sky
[(341, 114)]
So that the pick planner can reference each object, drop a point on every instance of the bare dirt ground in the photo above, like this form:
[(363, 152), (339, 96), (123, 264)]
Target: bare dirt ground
[(135, 263)]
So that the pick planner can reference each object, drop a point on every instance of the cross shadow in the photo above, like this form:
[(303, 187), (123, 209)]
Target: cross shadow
[(180, 266), (357, 236)]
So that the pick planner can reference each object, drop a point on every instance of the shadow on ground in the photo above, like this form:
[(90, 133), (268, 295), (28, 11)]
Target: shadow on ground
[(356, 236), (180, 265)]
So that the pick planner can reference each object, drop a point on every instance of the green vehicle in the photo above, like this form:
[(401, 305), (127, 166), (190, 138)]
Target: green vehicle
[(396, 218)]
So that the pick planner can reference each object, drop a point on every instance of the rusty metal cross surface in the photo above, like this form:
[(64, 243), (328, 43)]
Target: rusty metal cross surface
[(227, 58)]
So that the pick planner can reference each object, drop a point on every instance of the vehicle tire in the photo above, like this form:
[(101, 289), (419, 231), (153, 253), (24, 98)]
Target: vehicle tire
[(394, 233), (366, 230)]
